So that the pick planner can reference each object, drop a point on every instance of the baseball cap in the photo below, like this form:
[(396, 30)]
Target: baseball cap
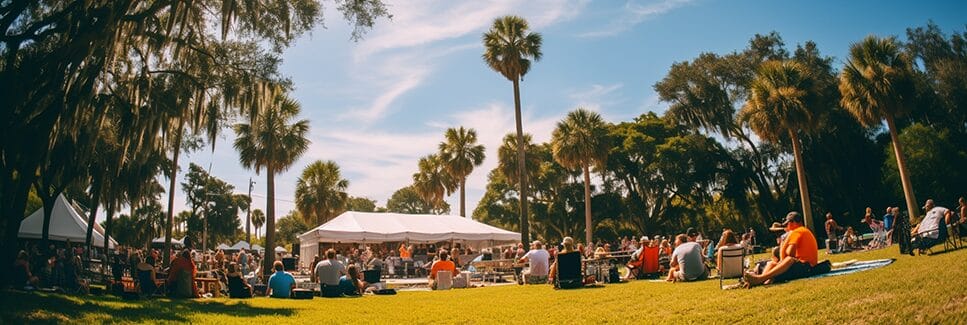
[(691, 232)]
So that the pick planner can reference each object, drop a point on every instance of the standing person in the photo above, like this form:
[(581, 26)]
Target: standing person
[(687, 262), (328, 272), (539, 264), (832, 231), (901, 233), (888, 221), (797, 255), (281, 282)]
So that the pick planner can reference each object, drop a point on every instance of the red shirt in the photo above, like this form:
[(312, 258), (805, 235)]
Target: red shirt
[(180, 264)]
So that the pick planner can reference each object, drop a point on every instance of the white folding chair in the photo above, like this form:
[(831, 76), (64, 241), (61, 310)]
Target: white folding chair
[(444, 280), (733, 264)]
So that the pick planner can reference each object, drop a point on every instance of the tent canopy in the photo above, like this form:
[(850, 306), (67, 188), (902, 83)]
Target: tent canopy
[(280, 249), (371, 227), (223, 247), (174, 241), (66, 223)]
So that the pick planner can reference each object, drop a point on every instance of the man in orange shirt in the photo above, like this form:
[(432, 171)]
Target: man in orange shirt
[(443, 264), (798, 254)]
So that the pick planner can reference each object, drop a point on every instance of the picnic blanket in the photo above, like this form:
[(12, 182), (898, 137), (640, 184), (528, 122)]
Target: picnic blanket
[(853, 266), (842, 268)]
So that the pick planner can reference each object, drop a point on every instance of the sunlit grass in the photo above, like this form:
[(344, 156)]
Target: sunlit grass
[(926, 289)]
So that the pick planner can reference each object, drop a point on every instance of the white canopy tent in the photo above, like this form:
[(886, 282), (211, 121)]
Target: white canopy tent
[(223, 247), (370, 227), (176, 243), (66, 223)]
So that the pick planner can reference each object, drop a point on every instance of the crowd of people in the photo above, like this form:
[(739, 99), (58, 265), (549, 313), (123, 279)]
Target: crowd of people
[(687, 256)]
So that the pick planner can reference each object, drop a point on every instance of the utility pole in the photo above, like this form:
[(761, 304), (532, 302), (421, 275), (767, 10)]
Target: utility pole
[(248, 217)]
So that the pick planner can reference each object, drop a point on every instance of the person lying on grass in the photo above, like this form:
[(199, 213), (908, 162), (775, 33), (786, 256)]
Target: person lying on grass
[(798, 254)]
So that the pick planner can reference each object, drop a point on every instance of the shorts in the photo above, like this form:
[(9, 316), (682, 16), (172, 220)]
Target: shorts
[(798, 270), (680, 275), (535, 279)]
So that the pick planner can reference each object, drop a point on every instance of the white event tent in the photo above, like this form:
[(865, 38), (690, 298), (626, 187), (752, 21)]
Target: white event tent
[(66, 223), (373, 227)]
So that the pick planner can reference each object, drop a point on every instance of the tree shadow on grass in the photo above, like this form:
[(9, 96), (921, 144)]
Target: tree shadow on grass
[(34, 307)]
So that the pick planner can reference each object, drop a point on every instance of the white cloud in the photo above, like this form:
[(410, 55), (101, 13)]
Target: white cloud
[(634, 14), (418, 23), (377, 163)]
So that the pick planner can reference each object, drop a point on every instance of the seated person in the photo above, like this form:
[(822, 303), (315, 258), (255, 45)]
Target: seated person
[(281, 282), (644, 261), (181, 276), (686, 263), (928, 232), (539, 260), (566, 272), (442, 264), (237, 288), (328, 272), (728, 240), (146, 277), (350, 284), (797, 255), (22, 278)]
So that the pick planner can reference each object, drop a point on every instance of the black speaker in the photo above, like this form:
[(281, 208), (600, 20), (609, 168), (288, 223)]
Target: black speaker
[(289, 263)]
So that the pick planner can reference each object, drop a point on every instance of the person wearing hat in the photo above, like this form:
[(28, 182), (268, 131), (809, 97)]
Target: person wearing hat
[(927, 233), (798, 254), (539, 264)]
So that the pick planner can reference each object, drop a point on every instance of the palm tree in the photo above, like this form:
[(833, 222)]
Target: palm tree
[(877, 84), (432, 182), (779, 103), (509, 47), (507, 158), (460, 154), (578, 142), (258, 219), (271, 143), (320, 193)]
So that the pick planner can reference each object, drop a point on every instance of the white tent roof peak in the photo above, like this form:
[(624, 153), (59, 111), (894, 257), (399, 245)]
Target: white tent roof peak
[(364, 227), (66, 223)]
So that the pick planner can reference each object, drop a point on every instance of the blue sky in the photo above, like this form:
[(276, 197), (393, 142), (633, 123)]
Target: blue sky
[(377, 105)]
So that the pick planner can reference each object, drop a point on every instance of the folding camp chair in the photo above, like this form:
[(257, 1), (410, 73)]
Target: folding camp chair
[(569, 273), (444, 280), (732, 265), (924, 243)]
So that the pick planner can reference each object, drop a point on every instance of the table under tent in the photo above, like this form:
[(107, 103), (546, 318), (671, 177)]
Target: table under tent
[(378, 228)]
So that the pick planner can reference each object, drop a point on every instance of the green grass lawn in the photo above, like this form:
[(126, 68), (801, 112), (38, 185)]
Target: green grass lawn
[(927, 289)]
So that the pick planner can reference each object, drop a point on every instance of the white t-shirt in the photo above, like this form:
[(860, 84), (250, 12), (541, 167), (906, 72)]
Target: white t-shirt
[(929, 225), (539, 261)]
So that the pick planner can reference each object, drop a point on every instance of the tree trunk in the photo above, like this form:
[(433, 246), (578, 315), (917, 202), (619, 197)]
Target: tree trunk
[(901, 164), (48, 209), (166, 254), (269, 255), (587, 205), (95, 202), (521, 168), (17, 191), (463, 197), (107, 234), (807, 210)]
